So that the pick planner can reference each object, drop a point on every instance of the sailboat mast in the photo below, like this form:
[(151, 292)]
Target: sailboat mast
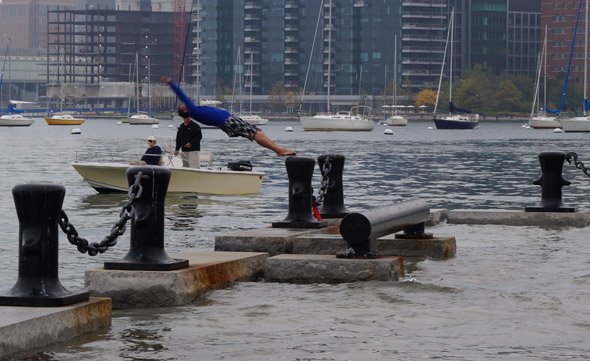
[(545, 71), (329, 51), (233, 91), (537, 82), (442, 69), (149, 90), (585, 60), (394, 90), (136, 83), (130, 90), (251, 77), (451, 57), (315, 35)]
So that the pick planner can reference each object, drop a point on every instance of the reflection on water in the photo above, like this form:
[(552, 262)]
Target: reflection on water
[(511, 292)]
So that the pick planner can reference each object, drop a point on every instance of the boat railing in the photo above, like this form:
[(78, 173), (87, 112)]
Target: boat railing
[(363, 110)]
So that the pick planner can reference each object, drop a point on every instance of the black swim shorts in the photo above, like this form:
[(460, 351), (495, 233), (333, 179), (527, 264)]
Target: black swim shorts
[(236, 127)]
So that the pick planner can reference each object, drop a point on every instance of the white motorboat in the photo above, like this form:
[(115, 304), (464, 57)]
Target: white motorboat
[(112, 177), (142, 119), (253, 119), (341, 121), (15, 120)]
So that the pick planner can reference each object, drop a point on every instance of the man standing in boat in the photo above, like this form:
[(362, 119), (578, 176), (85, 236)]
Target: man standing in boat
[(188, 139), (224, 120)]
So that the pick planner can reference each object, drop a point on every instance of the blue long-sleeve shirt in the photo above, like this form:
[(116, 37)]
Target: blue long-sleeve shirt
[(203, 114)]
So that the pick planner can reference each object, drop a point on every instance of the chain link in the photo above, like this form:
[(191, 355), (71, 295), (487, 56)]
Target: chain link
[(118, 229), (325, 183), (573, 157)]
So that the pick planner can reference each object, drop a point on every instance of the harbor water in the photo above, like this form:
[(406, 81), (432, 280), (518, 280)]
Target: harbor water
[(511, 293)]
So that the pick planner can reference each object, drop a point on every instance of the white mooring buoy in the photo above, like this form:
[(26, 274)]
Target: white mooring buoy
[(557, 130), (388, 131), (76, 131), (289, 129), (155, 126)]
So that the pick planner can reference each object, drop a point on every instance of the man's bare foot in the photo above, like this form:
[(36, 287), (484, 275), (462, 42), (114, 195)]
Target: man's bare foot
[(287, 153)]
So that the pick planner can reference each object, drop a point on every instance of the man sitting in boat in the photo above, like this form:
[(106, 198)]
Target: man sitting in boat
[(152, 154), (222, 119)]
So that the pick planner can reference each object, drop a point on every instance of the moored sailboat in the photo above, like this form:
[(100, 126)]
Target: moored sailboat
[(541, 120), (393, 118), (452, 121), (357, 119), (582, 123)]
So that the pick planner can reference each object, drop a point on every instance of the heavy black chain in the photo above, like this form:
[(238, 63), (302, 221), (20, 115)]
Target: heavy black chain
[(118, 229), (573, 157), (325, 182)]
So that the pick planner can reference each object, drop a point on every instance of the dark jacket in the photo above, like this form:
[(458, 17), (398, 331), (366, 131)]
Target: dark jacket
[(150, 156), (190, 133)]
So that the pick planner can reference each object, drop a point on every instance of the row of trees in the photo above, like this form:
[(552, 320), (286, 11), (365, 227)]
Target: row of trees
[(488, 93)]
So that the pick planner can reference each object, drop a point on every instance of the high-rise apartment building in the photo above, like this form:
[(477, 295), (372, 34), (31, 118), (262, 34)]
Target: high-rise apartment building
[(266, 42), (424, 32)]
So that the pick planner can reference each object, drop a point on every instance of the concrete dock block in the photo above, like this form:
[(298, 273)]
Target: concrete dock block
[(270, 240), (206, 271), (579, 219), (27, 328), (434, 248), (306, 268), (437, 216), (319, 244)]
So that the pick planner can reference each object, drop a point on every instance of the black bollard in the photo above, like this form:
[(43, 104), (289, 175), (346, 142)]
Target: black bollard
[(38, 207), (146, 251), (333, 202), (551, 182), (300, 172)]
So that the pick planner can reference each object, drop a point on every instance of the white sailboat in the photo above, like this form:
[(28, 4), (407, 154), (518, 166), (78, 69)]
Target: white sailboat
[(10, 119), (253, 119), (581, 124), (540, 119), (15, 120), (142, 118), (394, 118), (357, 119), (452, 121)]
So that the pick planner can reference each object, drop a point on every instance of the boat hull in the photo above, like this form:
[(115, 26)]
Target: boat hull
[(455, 124), (8, 121), (142, 120), (576, 125), (544, 123), (396, 121), (52, 121), (340, 123), (112, 177), (253, 119)]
